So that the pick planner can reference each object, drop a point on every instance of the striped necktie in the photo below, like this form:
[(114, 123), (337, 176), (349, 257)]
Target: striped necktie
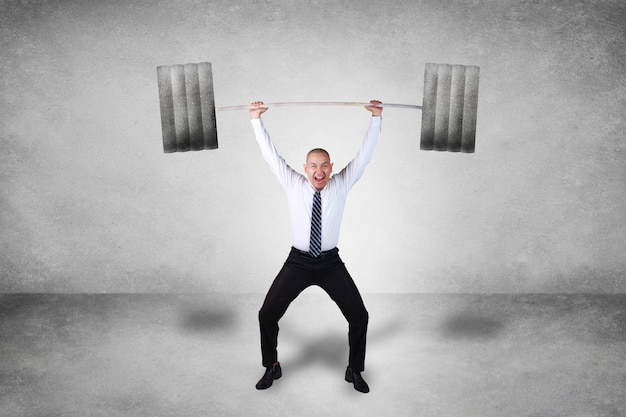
[(315, 245)]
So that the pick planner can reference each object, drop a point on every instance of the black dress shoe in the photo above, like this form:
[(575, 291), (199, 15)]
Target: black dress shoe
[(271, 373), (358, 381)]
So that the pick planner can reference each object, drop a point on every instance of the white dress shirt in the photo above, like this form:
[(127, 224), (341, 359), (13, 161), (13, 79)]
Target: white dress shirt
[(300, 191)]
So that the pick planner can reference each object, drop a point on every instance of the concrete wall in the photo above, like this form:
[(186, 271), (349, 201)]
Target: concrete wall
[(89, 202)]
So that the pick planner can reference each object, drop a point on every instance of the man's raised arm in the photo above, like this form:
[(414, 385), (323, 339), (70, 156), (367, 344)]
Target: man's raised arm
[(277, 164), (355, 169)]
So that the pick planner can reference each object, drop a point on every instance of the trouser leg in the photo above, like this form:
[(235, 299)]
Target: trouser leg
[(287, 285), (339, 285)]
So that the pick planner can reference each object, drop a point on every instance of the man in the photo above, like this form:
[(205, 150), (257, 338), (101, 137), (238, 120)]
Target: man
[(316, 204)]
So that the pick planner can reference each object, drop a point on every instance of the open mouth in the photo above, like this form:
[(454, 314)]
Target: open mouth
[(318, 180)]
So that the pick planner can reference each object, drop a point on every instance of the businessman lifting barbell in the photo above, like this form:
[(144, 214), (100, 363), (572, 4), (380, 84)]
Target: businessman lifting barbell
[(317, 199)]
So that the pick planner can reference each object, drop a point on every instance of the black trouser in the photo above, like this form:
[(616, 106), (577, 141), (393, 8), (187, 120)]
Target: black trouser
[(328, 272)]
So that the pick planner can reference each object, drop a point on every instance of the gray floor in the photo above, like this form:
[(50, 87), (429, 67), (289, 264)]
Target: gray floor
[(198, 355)]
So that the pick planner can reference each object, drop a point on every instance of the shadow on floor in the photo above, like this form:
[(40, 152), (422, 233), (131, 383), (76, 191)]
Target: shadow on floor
[(205, 320), (463, 326), (331, 349), (208, 318)]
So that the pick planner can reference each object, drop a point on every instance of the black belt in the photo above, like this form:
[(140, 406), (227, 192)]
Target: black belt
[(324, 254)]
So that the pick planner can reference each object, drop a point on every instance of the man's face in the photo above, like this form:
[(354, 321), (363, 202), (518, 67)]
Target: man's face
[(318, 168)]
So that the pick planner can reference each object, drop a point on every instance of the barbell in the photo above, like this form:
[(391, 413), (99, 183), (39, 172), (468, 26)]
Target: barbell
[(188, 122)]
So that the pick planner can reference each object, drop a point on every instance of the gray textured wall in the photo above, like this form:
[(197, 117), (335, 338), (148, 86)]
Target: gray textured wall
[(89, 203)]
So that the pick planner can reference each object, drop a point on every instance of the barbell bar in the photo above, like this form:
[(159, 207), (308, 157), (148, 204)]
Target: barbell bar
[(318, 103), (188, 122)]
